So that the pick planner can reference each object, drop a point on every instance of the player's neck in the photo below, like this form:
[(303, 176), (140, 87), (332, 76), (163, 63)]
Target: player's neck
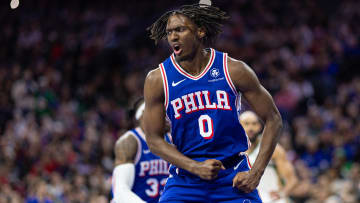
[(196, 62), (141, 128), (141, 125)]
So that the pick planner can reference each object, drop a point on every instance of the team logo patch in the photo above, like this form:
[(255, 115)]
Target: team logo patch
[(214, 72)]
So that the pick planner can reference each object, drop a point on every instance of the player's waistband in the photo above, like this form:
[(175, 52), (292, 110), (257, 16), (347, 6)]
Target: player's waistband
[(229, 163), (233, 160)]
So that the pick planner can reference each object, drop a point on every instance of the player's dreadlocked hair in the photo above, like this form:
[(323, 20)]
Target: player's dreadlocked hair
[(209, 17)]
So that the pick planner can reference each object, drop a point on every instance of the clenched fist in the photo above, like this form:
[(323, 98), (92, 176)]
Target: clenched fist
[(208, 169), (246, 181)]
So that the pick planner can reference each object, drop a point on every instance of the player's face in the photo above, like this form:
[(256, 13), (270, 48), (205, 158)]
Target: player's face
[(183, 36), (251, 126)]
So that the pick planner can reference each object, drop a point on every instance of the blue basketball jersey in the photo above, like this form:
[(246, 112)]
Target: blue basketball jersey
[(203, 110), (151, 172)]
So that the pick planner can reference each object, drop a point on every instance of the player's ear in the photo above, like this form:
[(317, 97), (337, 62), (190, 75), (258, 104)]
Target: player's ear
[(201, 32)]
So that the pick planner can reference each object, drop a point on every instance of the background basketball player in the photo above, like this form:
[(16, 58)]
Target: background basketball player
[(279, 168), (139, 176)]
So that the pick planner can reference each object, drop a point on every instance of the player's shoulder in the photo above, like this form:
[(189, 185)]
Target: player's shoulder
[(154, 75), (125, 139), (243, 77), (154, 84), (236, 65), (126, 148)]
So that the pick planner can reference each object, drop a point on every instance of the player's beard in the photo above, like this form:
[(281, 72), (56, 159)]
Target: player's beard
[(254, 138)]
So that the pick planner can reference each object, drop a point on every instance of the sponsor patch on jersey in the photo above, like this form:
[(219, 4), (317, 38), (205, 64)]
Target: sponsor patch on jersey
[(217, 79), (214, 72)]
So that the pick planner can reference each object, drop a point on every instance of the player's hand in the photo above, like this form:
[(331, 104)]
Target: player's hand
[(208, 169), (275, 195), (246, 181)]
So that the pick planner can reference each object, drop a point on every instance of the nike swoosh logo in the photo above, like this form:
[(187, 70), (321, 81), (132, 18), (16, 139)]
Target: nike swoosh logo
[(176, 83), (146, 151), (237, 166)]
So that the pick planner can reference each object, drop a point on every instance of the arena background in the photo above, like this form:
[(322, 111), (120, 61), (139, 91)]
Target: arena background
[(69, 70)]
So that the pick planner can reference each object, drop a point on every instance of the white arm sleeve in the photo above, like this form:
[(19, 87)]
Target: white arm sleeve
[(122, 182)]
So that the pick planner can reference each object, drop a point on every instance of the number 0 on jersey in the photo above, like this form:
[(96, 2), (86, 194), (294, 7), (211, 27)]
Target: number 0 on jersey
[(208, 131)]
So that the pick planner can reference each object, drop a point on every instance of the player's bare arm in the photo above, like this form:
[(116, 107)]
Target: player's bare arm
[(154, 100), (286, 171), (262, 103), (124, 171), (125, 149)]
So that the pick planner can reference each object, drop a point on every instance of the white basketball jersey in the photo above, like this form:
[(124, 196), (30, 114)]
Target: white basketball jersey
[(270, 180)]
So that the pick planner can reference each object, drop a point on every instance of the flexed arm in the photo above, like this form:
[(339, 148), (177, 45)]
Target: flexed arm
[(262, 103), (154, 121), (124, 171)]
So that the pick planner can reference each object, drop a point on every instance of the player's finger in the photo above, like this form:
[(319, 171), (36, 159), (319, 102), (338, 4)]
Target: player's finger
[(214, 176), (243, 188), (222, 167), (215, 170), (216, 162), (220, 164), (238, 182), (217, 165), (210, 177), (235, 180)]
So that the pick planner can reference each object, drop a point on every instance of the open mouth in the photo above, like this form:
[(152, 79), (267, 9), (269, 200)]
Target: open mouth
[(177, 49)]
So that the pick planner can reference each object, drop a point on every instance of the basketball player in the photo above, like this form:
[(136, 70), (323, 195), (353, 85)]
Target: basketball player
[(198, 89), (139, 175), (279, 168)]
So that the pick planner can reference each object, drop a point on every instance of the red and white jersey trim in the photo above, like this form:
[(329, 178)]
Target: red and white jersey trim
[(186, 74), (248, 161), (227, 75), (141, 133), (139, 148), (165, 85), (238, 94)]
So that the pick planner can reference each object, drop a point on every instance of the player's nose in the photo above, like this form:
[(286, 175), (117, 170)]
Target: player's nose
[(173, 37)]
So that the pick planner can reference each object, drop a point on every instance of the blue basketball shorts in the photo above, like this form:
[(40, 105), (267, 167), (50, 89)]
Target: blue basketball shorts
[(183, 187)]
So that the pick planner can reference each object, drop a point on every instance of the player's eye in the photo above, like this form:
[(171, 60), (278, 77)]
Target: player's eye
[(180, 29)]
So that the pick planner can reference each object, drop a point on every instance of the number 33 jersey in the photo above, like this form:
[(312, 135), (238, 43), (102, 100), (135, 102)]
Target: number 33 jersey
[(151, 172), (203, 109)]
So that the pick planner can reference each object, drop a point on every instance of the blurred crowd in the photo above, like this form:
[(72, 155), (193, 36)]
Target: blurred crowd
[(70, 69)]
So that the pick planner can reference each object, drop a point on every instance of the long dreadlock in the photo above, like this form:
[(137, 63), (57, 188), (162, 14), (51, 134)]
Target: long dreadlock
[(209, 17)]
